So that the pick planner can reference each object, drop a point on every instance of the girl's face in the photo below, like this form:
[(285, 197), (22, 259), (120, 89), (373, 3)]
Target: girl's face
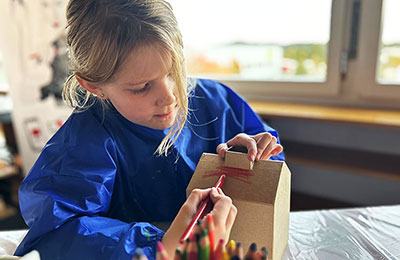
[(143, 90)]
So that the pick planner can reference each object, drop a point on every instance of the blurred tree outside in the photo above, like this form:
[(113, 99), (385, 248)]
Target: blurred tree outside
[(389, 63), (296, 60)]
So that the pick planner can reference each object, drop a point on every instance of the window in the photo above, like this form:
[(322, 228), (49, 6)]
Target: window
[(389, 51), (338, 51), (285, 44), (258, 46)]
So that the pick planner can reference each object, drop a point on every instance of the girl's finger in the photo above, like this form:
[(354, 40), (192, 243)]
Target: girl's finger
[(271, 146), (263, 140), (231, 218), (248, 142), (221, 150), (222, 207), (216, 194), (277, 150), (197, 196)]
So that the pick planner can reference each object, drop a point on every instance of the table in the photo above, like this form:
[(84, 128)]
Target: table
[(358, 233), (355, 233), (9, 240)]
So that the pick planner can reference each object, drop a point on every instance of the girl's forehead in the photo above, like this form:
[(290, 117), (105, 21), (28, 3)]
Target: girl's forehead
[(144, 62)]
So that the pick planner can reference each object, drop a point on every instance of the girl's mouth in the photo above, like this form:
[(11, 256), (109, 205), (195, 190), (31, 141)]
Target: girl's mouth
[(164, 115)]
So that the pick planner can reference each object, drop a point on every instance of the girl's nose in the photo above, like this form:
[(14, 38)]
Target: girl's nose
[(166, 94)]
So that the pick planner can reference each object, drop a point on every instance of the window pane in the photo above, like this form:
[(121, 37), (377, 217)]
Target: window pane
[(389, 53), (284, 40)]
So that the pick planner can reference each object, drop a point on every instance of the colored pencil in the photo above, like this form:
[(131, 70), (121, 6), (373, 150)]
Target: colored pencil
[(220, 250), (201, 211), (252, 252), (204, 246), (192, 249), (161, 252), (198, 228), (178, 254), (139, 255), (185, 246), (231, 248), (264, 253), (239, 250), (211, 233), (225, 255)]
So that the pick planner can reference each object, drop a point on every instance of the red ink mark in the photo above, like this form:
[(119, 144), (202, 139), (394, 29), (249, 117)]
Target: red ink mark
[(35, 56), (35, 132), (232, 172), (59, 123)]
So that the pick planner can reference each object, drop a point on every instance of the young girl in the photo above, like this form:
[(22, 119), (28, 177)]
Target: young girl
[(125, 156)]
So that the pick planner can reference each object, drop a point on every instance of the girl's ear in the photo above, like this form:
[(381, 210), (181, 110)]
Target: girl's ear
[(90, 86)]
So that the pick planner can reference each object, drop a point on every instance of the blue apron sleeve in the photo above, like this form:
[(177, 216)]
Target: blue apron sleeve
[(66, 195), (250, 121)]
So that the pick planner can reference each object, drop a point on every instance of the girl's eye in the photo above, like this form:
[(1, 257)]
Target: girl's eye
[(141, 90)]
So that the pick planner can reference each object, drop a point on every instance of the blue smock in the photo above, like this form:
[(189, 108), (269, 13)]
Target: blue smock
[(97, 183)]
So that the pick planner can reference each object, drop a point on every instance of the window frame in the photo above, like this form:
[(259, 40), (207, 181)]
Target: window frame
[(366, 65)]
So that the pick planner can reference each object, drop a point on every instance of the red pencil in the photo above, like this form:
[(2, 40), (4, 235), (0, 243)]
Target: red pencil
[(202, 210)]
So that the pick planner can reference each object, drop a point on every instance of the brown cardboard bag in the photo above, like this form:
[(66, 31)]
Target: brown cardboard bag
[(259, 190)]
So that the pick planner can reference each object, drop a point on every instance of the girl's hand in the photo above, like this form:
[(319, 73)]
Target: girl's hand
[(260, 146), (224, 214)]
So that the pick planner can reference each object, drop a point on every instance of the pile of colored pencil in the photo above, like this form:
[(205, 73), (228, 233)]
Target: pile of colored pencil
[(198, 249), (201, 246)]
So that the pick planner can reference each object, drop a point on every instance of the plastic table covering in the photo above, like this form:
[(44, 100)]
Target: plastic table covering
[(356, 233)]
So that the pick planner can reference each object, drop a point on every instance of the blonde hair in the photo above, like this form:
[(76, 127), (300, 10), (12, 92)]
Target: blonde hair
[(101, 34)]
